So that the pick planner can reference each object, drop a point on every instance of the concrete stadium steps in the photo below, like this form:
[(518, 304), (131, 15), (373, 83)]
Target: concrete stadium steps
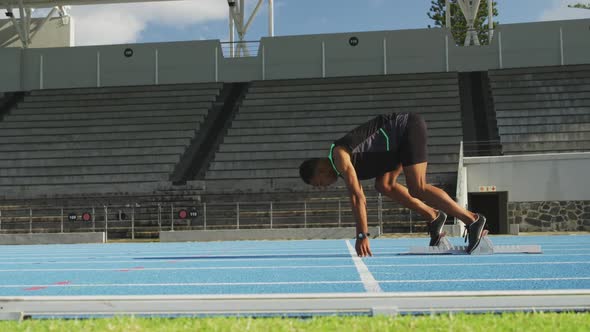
[(100, 129), (343, 90), (116, 102), (86, 179), (313, 152), (351, 98), (294, 163), (327, 122), (127, 89), (542, 110), (108, 115), (446, 181), (106, 170), (170, 106), (555, 89), (281, 123), (103, 137), (540, 96), (326, 137), (428, 114), (545, 147), (73, 161), (77, 139), (542, 129), (399, 79), (121, 95), (296, 146), (336, 129), (544, 120), (394, 105), (547, 137), (294, 172), (192, 119), (115, 144), (566, 103), (155, 152)]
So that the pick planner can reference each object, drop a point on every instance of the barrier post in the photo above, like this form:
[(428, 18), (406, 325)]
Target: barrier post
[(237, 215), (62, 220), (106, 222), (133, 223), (204, 216), (339, 213), (270, 215), (304, 214), (172, 216)]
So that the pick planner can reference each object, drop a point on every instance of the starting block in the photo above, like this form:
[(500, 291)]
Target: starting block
[(486, 247)]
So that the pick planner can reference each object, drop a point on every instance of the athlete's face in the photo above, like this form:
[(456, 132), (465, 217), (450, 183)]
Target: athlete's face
[(322, 180)]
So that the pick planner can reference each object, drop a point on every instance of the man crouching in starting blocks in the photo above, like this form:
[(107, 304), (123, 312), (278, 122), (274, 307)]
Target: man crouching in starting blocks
[(381, 148)]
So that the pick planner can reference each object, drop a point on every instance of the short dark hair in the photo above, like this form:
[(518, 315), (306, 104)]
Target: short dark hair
[(307, 169)]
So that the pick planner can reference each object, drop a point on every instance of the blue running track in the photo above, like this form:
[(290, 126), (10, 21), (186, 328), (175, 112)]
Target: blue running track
[(289, 267)]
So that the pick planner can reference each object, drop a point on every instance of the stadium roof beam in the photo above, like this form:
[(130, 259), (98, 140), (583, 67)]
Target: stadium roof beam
[(237, 23), (470, 9), (22, 25)]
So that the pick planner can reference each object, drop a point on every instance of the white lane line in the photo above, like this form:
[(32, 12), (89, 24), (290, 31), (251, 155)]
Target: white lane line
[(371, 285), (487, 280), (311, 258), (287, 267), (73, 253), (281, 283)]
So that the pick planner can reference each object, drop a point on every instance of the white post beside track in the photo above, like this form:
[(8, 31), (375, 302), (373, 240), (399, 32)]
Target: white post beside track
[(204, 216), (237, 215)]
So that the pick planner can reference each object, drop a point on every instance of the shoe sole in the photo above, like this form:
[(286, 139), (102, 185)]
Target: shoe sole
[(440, 235), (478, 238)]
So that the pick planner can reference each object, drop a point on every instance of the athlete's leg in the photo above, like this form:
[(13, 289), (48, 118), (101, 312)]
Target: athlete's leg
[(387, 185), (436, 197)]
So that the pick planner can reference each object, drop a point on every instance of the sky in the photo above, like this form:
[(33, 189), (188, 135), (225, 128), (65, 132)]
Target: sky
[(208, 19)]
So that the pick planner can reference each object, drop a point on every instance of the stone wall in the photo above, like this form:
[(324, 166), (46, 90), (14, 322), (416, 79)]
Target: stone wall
[(550, 216)]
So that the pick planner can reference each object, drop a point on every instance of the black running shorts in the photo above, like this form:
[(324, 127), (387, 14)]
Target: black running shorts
[(413, 145)]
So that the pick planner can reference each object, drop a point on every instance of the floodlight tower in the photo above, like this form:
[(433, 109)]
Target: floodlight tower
[(237, 11), (470, 9)]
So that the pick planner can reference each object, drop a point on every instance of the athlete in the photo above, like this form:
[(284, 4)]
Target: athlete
[(381, 149)]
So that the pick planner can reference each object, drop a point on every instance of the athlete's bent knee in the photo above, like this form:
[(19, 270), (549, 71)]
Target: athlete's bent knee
[(416, 191)]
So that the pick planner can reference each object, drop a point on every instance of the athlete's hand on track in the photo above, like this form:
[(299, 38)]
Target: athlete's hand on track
[(362, 248)]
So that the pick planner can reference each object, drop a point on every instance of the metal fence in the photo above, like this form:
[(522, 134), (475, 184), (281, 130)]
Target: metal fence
[(240, 49), (147, 219)]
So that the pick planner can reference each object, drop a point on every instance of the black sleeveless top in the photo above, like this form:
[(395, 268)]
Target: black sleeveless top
[(374, 145)]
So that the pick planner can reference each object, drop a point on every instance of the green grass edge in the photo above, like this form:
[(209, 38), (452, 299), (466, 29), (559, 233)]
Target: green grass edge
[(440, 322)]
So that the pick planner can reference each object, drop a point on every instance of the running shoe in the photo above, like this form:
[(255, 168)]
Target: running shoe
[(473, 233), (435, 228)]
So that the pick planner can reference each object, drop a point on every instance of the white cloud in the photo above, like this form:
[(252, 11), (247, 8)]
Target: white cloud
[(115, 24), (559, 10)]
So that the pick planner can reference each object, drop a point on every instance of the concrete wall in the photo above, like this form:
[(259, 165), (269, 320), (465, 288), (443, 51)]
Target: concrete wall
[(263, 234), (546, 192), (52, 238), (541, 177), (55, 33), (325, 55)]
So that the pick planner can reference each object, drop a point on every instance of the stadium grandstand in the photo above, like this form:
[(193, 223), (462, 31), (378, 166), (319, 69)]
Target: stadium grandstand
[(176, 140)]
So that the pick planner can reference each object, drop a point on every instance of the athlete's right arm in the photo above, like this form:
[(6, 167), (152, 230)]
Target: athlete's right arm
[(357, 198)]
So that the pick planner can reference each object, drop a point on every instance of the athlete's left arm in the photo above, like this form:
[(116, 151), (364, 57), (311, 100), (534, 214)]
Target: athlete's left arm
[(357, 198)]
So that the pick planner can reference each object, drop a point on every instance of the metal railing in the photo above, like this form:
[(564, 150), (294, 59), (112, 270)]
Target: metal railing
[(240, 49), (147, 219)]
